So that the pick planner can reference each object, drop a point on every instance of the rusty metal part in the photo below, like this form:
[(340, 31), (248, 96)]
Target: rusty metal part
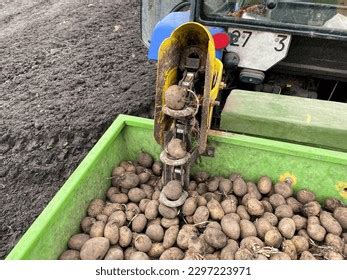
[(173, 203)]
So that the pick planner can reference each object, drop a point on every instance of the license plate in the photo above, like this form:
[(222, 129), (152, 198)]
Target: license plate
[(258, 49)]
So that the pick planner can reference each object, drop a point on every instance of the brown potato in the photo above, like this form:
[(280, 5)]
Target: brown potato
[(129, 180), (144, 177), (201, 176), (280, 256), (286, 226), (110, 208), (239, 187), (273, 238), (332, 203), (340, 214), (70, 255), (277, 200), (252, 243), (172, 253), (156, 195), (215, 238), (173, 190), (148, 190), (201, 201), (95, 207), (167, 212), (312, 208), (87, 223), (152, 210), (247, 229), (111, 232), (315, 230), (300, 222), (97, 229), (255, 207), (112, 191), (201, 189), (264, 185), (125, 236), (119, 217), (305, 196), (187, 232), (95, 248), (296, 205), (138, 256), (76, 241), (289, 248), (301, 243), (197, 245), (170, 236), (145, 160), (136, 194), (212, 184), (283, 189), (253, 190), (139, 223), (215, 209), (114, 253), (201, 215), (157, 168), (243, 254), (336, 242), (271, 218), (331, 255), (166, 223), (176, 148), (214, 224), (189, 206), (229, 204), (118, 171), (155, 221), (156, 250), (143, 204), (284, 211), (120, 198), (306, 255), (155, 233), (329, 223), (229, 251), (242, 212), (225, 186), (231, 227), (267, 206), (303, 233), (262, 226), (142, 243)]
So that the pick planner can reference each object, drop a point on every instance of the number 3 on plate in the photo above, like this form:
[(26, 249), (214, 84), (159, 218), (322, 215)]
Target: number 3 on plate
[(280, 41)]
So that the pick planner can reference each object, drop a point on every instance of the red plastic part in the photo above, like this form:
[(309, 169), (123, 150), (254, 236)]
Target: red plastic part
[(221, 40)]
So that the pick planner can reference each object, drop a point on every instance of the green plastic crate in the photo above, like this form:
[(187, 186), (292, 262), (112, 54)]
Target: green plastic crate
[(322, 171)]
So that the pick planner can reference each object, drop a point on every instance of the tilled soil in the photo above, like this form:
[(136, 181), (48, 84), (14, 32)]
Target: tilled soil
[(68, 68)]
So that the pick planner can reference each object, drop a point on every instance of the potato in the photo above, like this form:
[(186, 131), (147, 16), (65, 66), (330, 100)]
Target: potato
[(142, 243), (215, 209), (280, 256), (125, 236), (331, 255), (315, 230), (201, 201), (332, 203), (192, 186), (139, 223), (176, 148), (97, 229), (156, 195), (119, 217), (167, 212), (175, 97), (128, 166), (262, 226), (157, 168), (172, 253), (145, 160), (229, 251), (166, 223), (301, 243), (156, 221), (87, 223), (231, 227), (286, 226), (267, 206), (300, 222), (305, 196), (289, 248), (155, 233), (197, 245), (129, 180), (306, 255), (260, 257), (70, 255), (76, 241), (229, 204), (112, 191), (247, 229), (95, 207), (201, 189), (170, 236), (264, 185), (114, 253), (201, 215), (294, 204), (144, 177), (110, 208), (243, 254), (211, 257), (118, 171), (340, 214), (277, 200), (336, 242), (111, 232), (213, 184), (136, 194), (329, 223), (239, 187), (201, 177), (131, 211), (312, 208), (173, 190), (95, 248), (225, 186), (138, 256), (283, 189), (273, 238), (120, 198), (143, 204), (253, 190), (271, 218), (152, 209), (187, 232), (284, 211), (214, 224), (215, 237), (303, 233), (242, 212), (255, 207), (128, 251), (156, 250), (189, 206), (251, 243)]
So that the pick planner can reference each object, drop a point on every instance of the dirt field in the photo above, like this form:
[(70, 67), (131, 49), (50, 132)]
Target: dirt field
[(67, 69)]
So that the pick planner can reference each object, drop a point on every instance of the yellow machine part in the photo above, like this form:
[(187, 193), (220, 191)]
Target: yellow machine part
[(188, 34)]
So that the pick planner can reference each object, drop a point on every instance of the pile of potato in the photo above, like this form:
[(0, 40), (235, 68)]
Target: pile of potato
[(223, 218)]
